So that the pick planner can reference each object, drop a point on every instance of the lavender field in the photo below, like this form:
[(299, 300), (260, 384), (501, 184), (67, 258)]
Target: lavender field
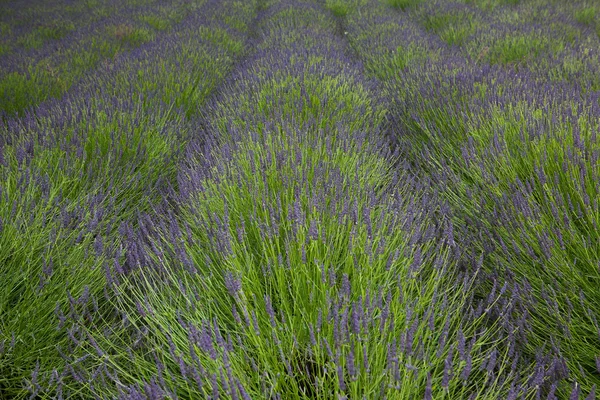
[(300, 199)]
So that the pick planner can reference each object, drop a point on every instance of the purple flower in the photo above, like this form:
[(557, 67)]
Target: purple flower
[(447, 376), (351, 367), (592, 395), (551, 392), (313, 231), (319, 320), (417, 260), (467, 369), (340, 375), (491, 363), (356, 317), (34, 379), (206, 343), (461, 344), (576, 392), (332, 276), (245, 395), (513, 392), (140, 309), (303, 254), (232, 283), (215, 387), (255, 323), (346, 285), (443, 338), (328, 347), (428, 389), (270, 311), (298, 214), (85, 295), (311, 331)]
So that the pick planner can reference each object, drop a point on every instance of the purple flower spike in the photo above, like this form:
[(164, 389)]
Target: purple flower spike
[(232, 283), (206, 342), (313, 231), (428, 390), (350, 364), (270, 310), (592, 395), (447, 370), (576, 392)]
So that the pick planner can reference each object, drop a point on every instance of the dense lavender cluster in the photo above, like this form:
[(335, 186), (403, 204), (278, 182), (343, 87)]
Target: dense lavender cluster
[(508, 125), (300, 199)]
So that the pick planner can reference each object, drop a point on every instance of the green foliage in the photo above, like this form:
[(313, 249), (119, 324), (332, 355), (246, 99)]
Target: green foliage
[(586, 15), (341, 8), (451, 27), (41, 35), (513, 49), (390, 64), (49, 78), (221, 38), (5, 28), (129, 35), (42, 81), (403, 4), (287, 288), (156, 22), (21, 90)]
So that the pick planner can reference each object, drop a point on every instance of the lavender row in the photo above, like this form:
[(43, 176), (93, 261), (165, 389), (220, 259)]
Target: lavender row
[(296, 262), (28, 78), (517, 160), (74, 174), (557, 43), (29, 25), (122, 14)]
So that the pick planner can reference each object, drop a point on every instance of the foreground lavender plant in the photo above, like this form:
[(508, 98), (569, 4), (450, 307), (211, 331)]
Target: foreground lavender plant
[(308, 267), (503, 145), (75, 174)]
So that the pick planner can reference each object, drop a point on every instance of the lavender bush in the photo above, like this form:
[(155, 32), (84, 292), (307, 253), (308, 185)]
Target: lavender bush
[(76, 172), (507, 175)]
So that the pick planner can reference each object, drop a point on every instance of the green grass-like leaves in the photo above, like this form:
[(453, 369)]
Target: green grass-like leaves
[(403, 4), (586, 15)]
